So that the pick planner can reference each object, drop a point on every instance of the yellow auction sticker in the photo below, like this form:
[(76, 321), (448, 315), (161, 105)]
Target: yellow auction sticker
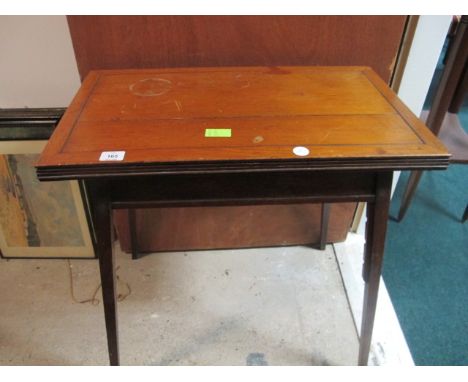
[(218, 133)]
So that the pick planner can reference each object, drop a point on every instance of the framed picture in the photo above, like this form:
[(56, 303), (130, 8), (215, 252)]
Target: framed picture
[(38, 219)]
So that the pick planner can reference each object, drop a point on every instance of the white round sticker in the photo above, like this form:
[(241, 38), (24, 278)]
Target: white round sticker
[(301, 151)]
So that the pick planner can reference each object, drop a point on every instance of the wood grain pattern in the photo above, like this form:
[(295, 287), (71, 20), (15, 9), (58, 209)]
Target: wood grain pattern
[(282, 225), (13, 220), (127, 42), (345, 115), (135, 42)]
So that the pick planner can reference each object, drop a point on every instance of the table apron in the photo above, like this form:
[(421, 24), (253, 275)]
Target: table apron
[(233, 189)]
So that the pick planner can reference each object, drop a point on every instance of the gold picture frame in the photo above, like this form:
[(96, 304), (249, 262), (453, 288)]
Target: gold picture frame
[(39, 219)]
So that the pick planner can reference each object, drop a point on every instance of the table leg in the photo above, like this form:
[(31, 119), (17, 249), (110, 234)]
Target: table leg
[(324, 225), (98, 196), (465, 214), (133, 233), (376, 226), (410, 189)]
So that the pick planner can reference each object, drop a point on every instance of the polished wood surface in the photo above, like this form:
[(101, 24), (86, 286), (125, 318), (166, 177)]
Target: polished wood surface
[(128, 42), (136, 42), (345, 116)]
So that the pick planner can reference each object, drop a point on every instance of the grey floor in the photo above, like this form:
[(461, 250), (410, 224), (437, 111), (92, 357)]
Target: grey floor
[(271, 306)]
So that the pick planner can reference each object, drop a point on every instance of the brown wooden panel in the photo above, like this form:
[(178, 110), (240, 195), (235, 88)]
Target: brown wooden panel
[(162, 229), (110, 42), (115, 42)]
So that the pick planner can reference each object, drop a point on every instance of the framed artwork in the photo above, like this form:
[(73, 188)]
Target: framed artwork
[(38, 219)]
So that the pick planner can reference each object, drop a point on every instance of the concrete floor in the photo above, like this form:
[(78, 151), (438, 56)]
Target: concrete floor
[(271, 306)]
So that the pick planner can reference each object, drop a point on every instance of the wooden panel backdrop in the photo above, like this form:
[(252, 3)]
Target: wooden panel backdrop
[(116, 42)]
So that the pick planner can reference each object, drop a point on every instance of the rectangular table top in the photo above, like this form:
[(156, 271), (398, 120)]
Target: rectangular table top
[(236, 119)]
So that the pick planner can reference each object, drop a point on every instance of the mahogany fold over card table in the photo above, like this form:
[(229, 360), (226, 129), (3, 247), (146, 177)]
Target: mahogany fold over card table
[(237, 136)]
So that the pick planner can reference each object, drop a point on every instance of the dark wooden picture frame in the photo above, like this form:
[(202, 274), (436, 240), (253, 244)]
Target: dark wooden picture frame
[(31, 231)]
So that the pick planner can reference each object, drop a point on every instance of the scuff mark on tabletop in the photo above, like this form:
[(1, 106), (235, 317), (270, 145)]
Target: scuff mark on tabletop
[(151, 87), (178, 105)]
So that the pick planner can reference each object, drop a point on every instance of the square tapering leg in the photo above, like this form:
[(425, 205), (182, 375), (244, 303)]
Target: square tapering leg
[(376, 226), (99, 198)]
